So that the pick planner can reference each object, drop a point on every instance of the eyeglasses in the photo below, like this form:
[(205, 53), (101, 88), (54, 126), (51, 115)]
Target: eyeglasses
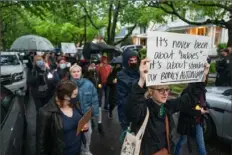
[(162, 90)]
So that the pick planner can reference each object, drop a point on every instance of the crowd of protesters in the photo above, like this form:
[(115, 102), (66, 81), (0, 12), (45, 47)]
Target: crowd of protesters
[(64, 89)]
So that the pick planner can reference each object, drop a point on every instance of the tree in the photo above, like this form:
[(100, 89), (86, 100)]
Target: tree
[(118, 13), (216, 11), (56, 20)]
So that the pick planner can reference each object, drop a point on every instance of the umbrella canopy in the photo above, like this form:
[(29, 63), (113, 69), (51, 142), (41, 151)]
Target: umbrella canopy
[(95, 48), (117, 60), (32, 43)]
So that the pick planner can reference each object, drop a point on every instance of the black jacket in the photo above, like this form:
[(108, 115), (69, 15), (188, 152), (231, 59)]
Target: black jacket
[(135, 111), (36, 78), (63, 73), (187, 117), (50, 133)]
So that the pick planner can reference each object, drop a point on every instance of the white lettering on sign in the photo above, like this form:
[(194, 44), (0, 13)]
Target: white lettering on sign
[(176, 58)]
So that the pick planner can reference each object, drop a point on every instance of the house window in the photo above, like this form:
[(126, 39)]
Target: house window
[(143, 30), (202, 31), (218, 35), (143, 41)]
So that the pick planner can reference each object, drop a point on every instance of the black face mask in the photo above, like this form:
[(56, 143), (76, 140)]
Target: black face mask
[(74, 100), (133, 66)]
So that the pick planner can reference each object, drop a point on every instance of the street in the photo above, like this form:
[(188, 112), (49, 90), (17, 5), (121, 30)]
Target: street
[(109, 143)]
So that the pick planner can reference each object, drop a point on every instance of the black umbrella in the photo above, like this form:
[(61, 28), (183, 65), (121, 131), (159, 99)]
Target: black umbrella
[(92, 48)]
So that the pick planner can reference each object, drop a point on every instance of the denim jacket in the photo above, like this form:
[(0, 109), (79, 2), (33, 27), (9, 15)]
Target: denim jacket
[(87, 96)]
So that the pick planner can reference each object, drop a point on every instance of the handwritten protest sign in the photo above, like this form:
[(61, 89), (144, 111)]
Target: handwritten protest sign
[(68, 48), (176, 58)]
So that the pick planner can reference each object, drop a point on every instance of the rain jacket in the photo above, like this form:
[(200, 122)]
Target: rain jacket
[(125, 80)]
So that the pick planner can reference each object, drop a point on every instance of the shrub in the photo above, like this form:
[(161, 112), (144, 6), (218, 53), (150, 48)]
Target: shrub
[(212, 68), (221, 46), (142, 53)]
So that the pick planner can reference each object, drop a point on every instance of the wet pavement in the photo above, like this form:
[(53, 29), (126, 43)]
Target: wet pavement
[(109, 143)]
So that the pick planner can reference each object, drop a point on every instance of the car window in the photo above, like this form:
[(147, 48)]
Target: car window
[(6, 102), (6, 60)]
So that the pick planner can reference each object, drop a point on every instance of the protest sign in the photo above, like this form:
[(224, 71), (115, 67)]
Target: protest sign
[(84, 120), (68, 48), (176, 58)]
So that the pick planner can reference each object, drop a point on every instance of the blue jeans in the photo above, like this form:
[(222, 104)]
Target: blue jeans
[(199, 140)]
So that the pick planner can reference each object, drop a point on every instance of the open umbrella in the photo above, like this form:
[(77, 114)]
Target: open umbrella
[(32, 43), (95, 48)]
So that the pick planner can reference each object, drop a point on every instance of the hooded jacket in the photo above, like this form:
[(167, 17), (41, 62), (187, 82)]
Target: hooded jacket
[(125, 80)]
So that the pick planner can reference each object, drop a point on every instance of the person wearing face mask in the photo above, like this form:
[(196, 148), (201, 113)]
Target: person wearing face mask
[(41, 82), (125, 79), (88, 98), (111, 82), (62, 72), (157, 138), (57, 123)]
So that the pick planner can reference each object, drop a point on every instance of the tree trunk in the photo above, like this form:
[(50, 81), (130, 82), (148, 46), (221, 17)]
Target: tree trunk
[(109, 22), (114, 24)]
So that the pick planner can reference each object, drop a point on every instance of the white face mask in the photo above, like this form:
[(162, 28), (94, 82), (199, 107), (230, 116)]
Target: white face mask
[(62, 66)]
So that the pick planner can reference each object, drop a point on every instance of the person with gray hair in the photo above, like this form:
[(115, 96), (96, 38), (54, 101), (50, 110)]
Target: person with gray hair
[(87, 98)]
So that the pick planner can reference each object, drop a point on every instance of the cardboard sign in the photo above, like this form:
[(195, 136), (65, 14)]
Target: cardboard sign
[(176, 58), (84, 120), (68, 48)]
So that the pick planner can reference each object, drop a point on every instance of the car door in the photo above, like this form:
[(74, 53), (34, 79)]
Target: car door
[(12, 123), (227, 118)]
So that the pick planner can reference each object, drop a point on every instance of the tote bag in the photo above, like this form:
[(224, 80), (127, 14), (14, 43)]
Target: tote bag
[(132, 142)]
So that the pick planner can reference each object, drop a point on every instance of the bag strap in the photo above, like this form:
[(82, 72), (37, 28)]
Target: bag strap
[(167, 132), (143, 127)]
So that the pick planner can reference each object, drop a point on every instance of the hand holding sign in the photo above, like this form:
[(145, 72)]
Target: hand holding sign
[(206, 72), (84, 120), (85, 128), (143, 70)]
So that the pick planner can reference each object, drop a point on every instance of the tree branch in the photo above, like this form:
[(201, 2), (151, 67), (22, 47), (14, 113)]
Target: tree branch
[(88, 16), (115, 20), (212, 5), (173, 11), (208, 21), (127, 35)]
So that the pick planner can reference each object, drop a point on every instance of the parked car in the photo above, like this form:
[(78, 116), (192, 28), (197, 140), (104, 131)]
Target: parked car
[(13, 71), (219, 120), (12, 122)]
